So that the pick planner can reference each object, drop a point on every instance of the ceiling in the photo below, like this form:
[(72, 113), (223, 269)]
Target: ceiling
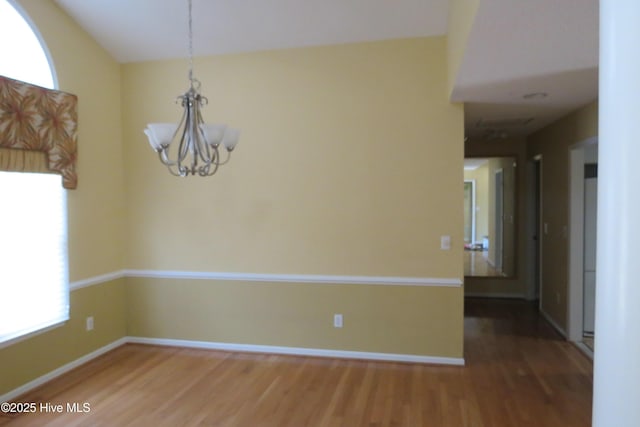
[(474, 163), (515, 48)]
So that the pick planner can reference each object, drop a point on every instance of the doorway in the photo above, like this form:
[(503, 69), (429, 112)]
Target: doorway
[(590, 244), (583, 159)]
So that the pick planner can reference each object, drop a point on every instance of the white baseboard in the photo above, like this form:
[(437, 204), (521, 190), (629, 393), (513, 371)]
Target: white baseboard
[(553, 323), (584, 348), (61, 370), (299, 351)]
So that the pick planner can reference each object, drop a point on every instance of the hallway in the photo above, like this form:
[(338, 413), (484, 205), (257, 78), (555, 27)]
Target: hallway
[(521, 371)]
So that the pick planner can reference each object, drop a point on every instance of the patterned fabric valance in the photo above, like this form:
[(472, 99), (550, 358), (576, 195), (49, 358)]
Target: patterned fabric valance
[(33, 118)]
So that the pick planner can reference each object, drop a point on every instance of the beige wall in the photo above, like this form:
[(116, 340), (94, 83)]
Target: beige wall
[(553, 144), (379, 319), (349, 163), (345, 154), (515, 285), (36, 356), (95, 209)]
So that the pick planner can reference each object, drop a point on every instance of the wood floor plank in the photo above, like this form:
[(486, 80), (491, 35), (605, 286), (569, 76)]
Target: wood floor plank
[(518, 373)]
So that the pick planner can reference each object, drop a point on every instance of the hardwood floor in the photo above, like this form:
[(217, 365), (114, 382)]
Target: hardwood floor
[(518, 373)]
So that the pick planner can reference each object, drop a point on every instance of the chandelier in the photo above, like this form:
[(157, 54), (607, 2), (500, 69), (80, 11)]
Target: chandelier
[(199, 144)]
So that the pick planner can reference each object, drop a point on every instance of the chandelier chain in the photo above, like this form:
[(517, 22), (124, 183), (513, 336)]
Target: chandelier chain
[(190, 45)]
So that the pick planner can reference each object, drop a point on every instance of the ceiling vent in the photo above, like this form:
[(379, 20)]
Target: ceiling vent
[(503, 123)]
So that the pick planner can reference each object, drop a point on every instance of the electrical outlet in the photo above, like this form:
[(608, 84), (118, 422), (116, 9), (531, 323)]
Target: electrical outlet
[(337, 320), (89, 323)]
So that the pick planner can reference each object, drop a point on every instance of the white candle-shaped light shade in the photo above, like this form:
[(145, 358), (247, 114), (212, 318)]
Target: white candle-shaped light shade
[(213, 133), (230, 138), (160, 134)]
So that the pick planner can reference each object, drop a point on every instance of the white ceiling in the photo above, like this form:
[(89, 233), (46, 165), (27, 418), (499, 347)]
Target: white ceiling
[(140, 30), (521, 47), (515, 46), (474, 163)]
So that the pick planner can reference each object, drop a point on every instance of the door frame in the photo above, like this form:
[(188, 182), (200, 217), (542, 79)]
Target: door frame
[(534, 228), (498, 243), (575, 298), (473, 209)]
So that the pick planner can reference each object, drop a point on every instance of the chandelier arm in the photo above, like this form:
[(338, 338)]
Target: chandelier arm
[(226, 160), (164, 158), (203, 147), (172, 172), (193, 134), (183, 148), (215, 164), (203, 150)]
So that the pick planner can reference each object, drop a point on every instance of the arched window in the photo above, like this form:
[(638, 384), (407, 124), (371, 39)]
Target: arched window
[(34, 285), (24, 57)]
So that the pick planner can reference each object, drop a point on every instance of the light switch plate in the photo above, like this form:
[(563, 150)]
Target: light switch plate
[(337, 320), (445, 243)]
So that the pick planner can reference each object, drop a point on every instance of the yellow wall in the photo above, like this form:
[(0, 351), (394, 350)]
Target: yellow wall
[(36, 356), (553, 143), (379, 319), (344, 153), (95, 209), (350, 163)]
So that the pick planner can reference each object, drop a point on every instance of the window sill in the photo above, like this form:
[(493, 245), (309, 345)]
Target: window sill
[(31, 334)]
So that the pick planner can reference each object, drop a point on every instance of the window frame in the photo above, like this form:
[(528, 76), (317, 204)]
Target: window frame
[(21, 13)]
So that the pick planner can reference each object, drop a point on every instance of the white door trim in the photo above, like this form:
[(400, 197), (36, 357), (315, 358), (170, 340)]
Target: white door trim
[(473, 210), (498, 243), (533, 228), (576, 238)]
